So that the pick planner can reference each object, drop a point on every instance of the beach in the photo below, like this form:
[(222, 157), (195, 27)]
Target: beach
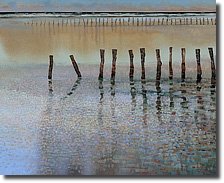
[(90, 127)]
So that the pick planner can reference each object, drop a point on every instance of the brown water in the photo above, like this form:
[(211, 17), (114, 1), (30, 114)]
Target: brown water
[(87, 127)]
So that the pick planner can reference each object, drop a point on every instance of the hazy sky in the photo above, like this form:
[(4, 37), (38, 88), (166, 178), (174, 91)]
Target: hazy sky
[(107, 5)]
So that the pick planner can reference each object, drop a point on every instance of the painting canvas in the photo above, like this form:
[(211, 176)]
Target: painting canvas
[(108, 88)]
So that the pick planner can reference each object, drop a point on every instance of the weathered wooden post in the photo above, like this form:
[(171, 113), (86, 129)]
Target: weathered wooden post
[(113, 71), (131, 73), (170, 64), (142, 51), (199, 71), (50, 85), (159, 66), (50, 67), (101, 64), (75, 65), (183, 66), (213, 77)]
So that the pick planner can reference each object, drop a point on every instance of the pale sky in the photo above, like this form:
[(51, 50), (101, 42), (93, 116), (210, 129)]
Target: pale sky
[(107, 5)]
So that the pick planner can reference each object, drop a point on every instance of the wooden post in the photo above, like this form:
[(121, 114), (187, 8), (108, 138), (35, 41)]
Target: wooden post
[(75, 65), (101, 64), (170, 65), (142, 51), (50, 67), (183, 66), (159, 65), (131, 73), (113, 71), (213, 77), (199, 71)]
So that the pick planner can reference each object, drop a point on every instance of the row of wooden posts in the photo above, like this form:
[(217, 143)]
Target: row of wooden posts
[(128, 21), (143, 77)]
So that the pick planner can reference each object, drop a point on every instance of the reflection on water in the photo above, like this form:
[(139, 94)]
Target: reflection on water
[(38, 42), (142, 130), (96, 127)]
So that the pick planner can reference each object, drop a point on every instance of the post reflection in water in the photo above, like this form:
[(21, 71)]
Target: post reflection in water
[(133, 95), (158, 101), (74, 87), (101, 90), (171, 96), (112, 88), (145, 103), (50, 87), (183, 93)]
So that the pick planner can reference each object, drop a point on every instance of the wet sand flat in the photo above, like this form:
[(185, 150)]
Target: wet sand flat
[(87, 127)]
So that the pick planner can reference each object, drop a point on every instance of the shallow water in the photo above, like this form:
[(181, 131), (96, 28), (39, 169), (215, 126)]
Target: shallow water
[(87, 127)]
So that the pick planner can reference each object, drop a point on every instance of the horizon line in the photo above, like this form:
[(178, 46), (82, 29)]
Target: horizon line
[(107, 12)]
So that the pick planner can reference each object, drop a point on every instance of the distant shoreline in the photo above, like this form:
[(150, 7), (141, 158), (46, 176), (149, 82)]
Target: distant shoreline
[(109, 12)]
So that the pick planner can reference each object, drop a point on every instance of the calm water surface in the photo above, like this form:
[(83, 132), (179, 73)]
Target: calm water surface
[(87, 127)]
